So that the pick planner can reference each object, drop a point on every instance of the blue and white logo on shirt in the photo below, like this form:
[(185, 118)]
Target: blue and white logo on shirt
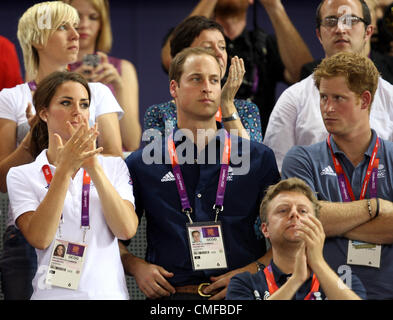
[(328, 171), (169, 177)]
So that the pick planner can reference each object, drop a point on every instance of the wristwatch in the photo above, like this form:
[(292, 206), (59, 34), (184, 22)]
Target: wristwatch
[(232, 117)]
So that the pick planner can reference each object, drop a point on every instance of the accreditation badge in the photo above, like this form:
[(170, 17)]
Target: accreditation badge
[(364, 254), (206, 245), (66, 263)]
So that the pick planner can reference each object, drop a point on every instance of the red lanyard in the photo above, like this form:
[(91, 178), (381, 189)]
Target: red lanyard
[(85, 223), (48, 175), (272, 285), (218, 115), (181, 187), (345, 186)]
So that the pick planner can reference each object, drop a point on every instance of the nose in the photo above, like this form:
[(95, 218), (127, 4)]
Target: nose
[(329, 106), (326, 105), (217, 51), (74, 35), (342, 26), (220, 54), (206, 86), (76, 110), (293, 213)]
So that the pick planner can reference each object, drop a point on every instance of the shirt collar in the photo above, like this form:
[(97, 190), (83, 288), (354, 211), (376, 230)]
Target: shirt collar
[(281, 277), (220, 133), (369, 150), (42, 160)]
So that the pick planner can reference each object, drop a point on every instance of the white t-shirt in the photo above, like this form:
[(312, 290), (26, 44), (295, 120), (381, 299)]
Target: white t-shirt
[(13, 104), (296, 118), (102, 276)]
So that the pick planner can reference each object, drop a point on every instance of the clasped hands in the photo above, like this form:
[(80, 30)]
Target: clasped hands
[(310, 253)]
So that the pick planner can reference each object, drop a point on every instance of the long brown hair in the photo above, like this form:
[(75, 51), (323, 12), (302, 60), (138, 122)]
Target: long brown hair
[(46, 89)]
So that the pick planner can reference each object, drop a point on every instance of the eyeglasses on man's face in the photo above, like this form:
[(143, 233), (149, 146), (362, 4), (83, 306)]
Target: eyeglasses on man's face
[(346, 20)]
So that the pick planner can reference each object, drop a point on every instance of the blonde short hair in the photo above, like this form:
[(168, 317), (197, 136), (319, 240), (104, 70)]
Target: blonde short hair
[(291, 184), (359, 72), (37, 24), (104, 38)]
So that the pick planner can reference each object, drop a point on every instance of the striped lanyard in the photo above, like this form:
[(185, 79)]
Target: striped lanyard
[(371, 175), (181, 187), (85, 220)]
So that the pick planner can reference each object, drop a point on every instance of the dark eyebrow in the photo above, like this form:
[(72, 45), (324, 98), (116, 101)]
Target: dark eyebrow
[(71, 98)]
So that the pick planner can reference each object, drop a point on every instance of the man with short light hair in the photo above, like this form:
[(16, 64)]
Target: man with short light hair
[(342, 25), (352, 174), (289, 214), (178, 196)]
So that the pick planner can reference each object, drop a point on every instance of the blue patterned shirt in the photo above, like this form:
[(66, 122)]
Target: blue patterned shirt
[(157, 115)]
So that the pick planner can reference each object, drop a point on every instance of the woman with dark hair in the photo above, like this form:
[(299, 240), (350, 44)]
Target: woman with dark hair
[(48, 45), (59, 251), (70, 194), (240, 116)]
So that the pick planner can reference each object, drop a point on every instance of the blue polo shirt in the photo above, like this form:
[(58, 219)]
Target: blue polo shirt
[(247, 286), (156, 195), (314, 165)]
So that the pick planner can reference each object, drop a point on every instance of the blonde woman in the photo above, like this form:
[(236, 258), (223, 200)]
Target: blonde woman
[(49, 40), (95, 41)]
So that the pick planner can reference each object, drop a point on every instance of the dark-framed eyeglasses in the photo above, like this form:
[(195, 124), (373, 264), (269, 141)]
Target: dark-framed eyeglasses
[(346, 20)]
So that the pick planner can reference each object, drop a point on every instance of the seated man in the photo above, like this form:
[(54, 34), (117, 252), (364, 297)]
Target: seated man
[(289, 214), (354, 165), (236, 114), (199, 178), (342, 26)]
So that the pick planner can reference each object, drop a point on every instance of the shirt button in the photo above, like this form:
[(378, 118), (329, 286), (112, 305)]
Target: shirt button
[(199, 195)]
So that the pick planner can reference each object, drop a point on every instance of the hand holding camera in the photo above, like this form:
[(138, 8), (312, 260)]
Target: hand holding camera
[(96, 68)]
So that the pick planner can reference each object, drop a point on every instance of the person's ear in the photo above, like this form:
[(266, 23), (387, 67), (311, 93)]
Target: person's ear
[(369, 32), (173, 86), (365, 98), (43, 114), (37, 46), (264, 230)]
